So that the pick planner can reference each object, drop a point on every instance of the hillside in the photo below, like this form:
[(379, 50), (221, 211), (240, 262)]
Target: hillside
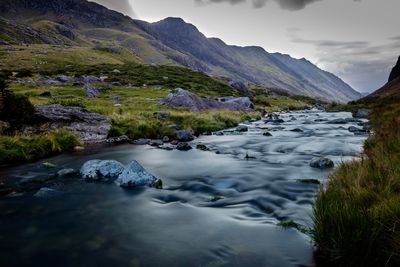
[(389, 91), (171, 41)]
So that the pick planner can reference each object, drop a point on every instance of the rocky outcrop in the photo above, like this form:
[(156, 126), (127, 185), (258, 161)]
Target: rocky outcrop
[(186, 99), (88, 126), (240, 87)]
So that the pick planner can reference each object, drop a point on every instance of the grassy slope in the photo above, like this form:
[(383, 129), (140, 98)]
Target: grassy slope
[(357, 217)]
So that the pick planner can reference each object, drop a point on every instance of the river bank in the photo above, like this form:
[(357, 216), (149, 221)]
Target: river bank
[(220, 207)]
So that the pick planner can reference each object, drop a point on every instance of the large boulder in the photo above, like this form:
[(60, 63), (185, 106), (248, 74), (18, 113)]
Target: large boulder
[(135, 175), (321, 163), (88, 126), (96, 170), (240, 87), (186, 99), (184, 135)]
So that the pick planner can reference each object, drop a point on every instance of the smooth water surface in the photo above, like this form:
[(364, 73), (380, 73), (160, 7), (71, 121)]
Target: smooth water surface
[(216, 209)]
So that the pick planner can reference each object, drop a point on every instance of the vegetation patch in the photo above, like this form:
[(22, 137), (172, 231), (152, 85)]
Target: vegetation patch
[(357, 217)]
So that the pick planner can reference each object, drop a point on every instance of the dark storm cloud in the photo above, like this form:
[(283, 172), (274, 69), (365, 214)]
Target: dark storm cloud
[(285, 4), (122, 6)]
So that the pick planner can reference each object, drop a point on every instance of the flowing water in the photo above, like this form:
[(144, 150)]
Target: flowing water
[(216, 209)]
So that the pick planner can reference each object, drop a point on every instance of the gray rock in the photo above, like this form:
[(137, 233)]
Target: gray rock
[(161, 115), (156, 142), (267, 134), (123, 139), (135, 175), (67, 172), (186, 99), (64, 79), (90, 91), (321, 163), (338, 121), (240, 87), (141, 142), (297, 130), (101, 170), (362, 113), (184, 135), (88, 126), (202, 147), (48, 81), (354, 129), (242, 128), (183, 146), (116, 98), (165, 139)]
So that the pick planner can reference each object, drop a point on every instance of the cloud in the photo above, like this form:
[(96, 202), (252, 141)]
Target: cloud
[(285, 4), (122, 6), (364, 65)]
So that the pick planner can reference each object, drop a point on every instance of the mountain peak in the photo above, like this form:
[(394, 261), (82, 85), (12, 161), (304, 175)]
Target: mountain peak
[(395, 71)]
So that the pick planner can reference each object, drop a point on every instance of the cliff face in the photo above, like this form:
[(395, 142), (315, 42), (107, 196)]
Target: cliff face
[(395, 71)]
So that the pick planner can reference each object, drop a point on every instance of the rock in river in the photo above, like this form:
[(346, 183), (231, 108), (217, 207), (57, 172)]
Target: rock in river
[(242, 128), (101, 169), (183, 146), (321, 163), (135, 175)]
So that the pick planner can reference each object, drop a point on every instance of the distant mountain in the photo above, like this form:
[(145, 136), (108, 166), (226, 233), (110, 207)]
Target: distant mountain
[(391, 90), (170, 41)]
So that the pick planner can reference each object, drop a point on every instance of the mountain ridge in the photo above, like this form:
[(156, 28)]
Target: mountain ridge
[(173, 41)]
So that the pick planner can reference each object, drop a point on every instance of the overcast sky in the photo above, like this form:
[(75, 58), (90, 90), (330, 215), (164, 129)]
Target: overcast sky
[(358, 40)]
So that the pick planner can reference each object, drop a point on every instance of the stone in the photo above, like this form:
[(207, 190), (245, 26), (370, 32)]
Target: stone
[(321, 163), (47, 193), (64, 78), (267, 134), (116, 98), (161, 115), (48, 165), (338, 121), (88, 126), (67, 172), (123, 139), (242, 128), (156, 142), (101, 170), (202, 147), (240, 87), (141, 142), (183, 146), (165, 139), (134, 175), (90, 91), (297, 130), (184, 135), (182, 98)]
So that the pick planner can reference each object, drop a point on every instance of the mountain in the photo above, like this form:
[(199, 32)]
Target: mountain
[(391, 90), (395, 71), (170, 41)]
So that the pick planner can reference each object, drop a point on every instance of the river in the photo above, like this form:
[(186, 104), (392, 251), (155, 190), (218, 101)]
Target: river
[(217, 209)]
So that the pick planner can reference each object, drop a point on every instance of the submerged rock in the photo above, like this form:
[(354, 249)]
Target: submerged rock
[(67, 172), (135, 175), (101, 169), (202, 147), (47, 193), (321, 163), (183, 146), (242, 128)]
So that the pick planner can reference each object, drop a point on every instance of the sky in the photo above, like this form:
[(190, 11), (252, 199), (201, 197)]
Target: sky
[(357, 40)]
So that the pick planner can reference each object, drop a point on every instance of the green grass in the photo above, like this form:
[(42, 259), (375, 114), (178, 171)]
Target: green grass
[(357, 216), (29, 148)]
